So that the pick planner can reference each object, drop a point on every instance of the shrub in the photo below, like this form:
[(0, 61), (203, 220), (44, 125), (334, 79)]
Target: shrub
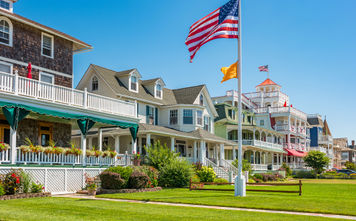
[(287, 169), (317, 160), (177, 173), (26, 182), (305, 174), (138, 180), (2, 190), (246, 166), (12, 182), (220, 180), (36, 188), (350, 165), (152, 174), (206, 174), (159, 156), (258, 176), (111, 180), (125, 172)]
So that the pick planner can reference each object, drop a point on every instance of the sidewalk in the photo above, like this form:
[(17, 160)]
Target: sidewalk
[(81, 196)]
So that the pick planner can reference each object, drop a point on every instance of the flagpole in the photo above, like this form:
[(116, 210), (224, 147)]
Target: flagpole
[(240, 182)]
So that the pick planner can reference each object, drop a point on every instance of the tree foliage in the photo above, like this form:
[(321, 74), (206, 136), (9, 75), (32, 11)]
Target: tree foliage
[(317, 160), (350, 165), (159, 155)]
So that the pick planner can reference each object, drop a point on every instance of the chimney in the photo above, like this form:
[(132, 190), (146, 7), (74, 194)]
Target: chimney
[(353, 143)]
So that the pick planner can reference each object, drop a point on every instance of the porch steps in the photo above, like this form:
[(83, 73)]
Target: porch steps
[(221, 172)]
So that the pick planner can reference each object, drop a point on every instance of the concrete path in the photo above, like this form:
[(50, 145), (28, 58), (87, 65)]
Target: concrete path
[(81, 196)]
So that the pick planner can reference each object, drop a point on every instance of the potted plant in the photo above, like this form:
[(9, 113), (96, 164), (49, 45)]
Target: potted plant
[(4, 146), (90, 153), (97, 153), (137, 159), (90, 185), (24, 149), (106, 153), (112, 154)]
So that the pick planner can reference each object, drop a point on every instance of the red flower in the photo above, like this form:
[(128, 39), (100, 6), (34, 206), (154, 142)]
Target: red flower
[(43, 187), (17, 180), (151, 186), (13, 175)]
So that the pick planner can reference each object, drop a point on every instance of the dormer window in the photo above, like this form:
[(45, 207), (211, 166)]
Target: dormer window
[(133, 83), (5, 31), (158, 91), (5, 4), (94, 84), (47, 45), (201, 100)]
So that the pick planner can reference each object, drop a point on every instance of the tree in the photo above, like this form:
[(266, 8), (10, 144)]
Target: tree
[(317, 160), (159, 155), (246, 166), (350, 165)]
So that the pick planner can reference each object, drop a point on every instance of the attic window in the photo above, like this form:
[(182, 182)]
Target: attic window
[(201, 100), (94, 84), (158, 91), (133, 84)]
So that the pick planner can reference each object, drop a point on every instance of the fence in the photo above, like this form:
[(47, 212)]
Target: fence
[(191, 187)]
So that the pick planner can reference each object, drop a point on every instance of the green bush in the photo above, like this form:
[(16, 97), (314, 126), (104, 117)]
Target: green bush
[(36, 188), (287, 169), (350, 165), (2, 190), (206, 174), (258, 176), (26, 182), (159, 156), (152, 174), (125, 172), (177, 173), (246, 166), (138, 180), (317, 160), (111, 180), (220, 180), (305, 174)]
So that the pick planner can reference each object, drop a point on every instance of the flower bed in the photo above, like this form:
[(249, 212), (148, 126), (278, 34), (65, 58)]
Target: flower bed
[(106, 191), (24, 195)]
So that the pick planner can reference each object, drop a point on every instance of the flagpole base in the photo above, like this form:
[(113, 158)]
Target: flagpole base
[(240, 186)]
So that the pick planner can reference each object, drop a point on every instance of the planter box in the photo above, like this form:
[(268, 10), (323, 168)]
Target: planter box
[(24, 196), (107, 191)]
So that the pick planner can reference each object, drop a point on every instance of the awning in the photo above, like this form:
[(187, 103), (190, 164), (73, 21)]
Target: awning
[(133, 126), (304, 153), (292, 152)]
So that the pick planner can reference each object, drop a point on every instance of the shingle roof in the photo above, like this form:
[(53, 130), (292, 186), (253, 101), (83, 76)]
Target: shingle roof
[(267, 82), (178, 96), (315, 121), (150, 81), (326, 130)]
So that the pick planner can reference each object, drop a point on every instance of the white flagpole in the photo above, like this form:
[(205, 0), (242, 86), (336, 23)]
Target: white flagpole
[(240, 181)]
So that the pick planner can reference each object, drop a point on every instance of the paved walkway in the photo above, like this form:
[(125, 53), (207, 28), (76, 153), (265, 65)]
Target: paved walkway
[(81, 196)]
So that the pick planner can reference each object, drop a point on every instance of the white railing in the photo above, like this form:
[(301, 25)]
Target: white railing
[(326, 139), (276, 167), (259, 166), (290, 110), (5, 156), (54, 93), (220, 172), (259, 143), (229, 166)]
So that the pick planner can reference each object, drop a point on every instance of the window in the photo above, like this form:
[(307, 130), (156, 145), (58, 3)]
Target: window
[(262, 122), (201, 100), (94, 84), (200, 117), (173, 117), (158, 91), (187, 116), (5, 133), (106, 142), (206, 123), (232, 114), (5, 31), (45, 133), (5, 5), (150, 115), (5, 68), (133, 84), (47, 78), (47, 45)]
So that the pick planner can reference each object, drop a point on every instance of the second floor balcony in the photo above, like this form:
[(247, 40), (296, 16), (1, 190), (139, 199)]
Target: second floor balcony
[(292, 128), (262, 144), (282, 110), (15, 85)]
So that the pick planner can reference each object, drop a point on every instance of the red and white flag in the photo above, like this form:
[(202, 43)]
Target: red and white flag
[(263, 68), (221, 23)]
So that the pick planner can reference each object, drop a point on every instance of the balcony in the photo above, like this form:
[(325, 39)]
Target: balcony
[(277, 110), (262, 144), (271, 94), (295, 146), (292, 128), (325, 139), (50, 93)]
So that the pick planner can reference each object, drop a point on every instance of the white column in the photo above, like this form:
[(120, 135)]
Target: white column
[(13, 145), (254, 157), (84, 148), (202, 152), (100, 139), (234, 153), (139, 143), (195, 152), (289, 129), (272, 154), (264, 158), (254, 133), (148, 140), (222, 153), (117, 144), (90, 144), (172, 143), (133, 146)]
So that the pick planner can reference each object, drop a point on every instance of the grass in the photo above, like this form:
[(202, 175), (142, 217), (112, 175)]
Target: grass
[(335, 197), (83, 209)]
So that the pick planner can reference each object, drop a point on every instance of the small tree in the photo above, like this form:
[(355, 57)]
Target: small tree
[(159, 155), (317, 160), (350, 165)]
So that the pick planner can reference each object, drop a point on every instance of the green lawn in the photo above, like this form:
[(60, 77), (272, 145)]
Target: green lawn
[(332, 197), (83, 209)]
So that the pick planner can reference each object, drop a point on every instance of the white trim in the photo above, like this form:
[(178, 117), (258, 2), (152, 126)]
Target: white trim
[(48, 75), (35, 67), (11, 31), (11, 67), (52, 45), (155, 90)]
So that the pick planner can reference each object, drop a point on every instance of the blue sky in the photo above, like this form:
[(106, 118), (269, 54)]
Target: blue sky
[(309, 45)]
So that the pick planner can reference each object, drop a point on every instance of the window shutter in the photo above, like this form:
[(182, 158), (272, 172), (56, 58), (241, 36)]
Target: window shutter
[(156, 116), (138, 109), (147, 114)]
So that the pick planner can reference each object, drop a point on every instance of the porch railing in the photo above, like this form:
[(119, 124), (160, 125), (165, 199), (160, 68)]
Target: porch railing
[(259, 143), (220, 172), (229, 166), (259, 166), (5, 156), (14, 84), (276, 167)]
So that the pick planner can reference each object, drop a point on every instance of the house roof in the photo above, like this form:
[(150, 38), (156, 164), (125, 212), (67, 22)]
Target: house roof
[(78, 44), (267, 82), (187, 95), (150, 81), (315, 121), (326, 130)]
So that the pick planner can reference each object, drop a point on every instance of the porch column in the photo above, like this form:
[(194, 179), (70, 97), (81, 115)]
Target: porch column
[(148, 140), (294, 159), (278, 159), (195, 151), (117, 144), (90, 144), (216, 154), (288, 138), (133, 146), (261, 157), (100, 139), (172, 143), (272, 159), (254, 134), (13, 145), (202, 150), (83, 145), (233, 153), (254, 157), (222, 153), (264, 158), (139, 143)]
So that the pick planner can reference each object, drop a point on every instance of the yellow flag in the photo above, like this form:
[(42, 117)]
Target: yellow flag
[(229, 72)]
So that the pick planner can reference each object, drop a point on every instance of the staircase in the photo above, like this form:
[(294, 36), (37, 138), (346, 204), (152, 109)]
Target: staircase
[(221, 172), (226, 164)]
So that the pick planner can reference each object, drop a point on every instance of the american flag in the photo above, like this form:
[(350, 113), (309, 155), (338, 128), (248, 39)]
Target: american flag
[(221, 23), (263, 68)]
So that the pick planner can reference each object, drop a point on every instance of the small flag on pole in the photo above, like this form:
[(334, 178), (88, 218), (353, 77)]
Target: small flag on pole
[(221, 23), (229, 72), (263, 68), (285, 104)]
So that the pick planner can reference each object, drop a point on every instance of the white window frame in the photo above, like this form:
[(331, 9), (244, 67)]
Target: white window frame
[(9, 64), (170, 117), (136, 83), (52, 51), (10, 31), (191, 116), (10, 6), (92, 79), (156, 90), (48, 75), (201, 117)]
